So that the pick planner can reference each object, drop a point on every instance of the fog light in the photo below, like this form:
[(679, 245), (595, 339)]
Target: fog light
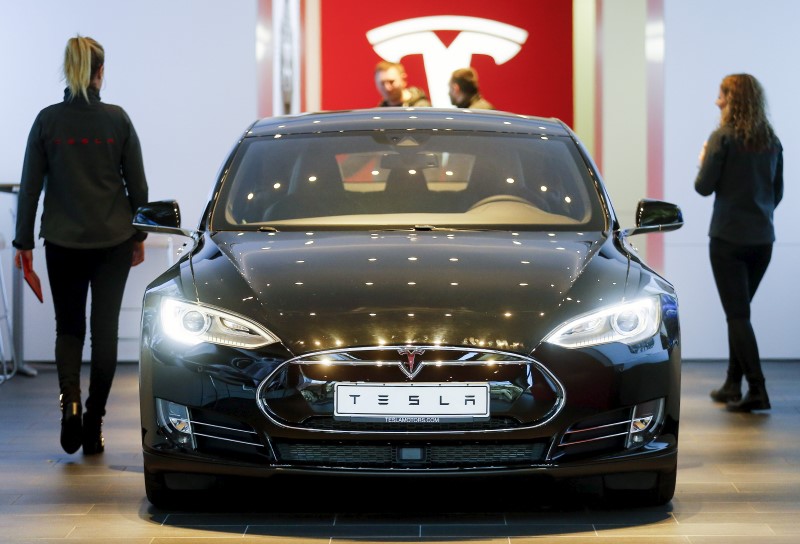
[(174, 419), (645, 421)]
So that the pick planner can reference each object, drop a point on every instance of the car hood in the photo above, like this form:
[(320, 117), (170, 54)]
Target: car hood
[(492, 289)]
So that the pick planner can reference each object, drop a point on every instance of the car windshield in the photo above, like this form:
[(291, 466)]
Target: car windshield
[(408, 179)]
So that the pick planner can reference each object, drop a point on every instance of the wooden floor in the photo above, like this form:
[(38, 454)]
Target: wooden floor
[(738, 482)]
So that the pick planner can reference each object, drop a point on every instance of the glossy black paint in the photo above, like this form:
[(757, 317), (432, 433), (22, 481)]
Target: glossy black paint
[(336, 278), (328, 291)]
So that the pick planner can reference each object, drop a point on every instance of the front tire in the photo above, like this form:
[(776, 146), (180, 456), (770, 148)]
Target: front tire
[(189, 492), (627, 489), (158, 493)]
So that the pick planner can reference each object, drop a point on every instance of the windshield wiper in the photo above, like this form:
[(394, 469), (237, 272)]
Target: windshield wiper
[(432, 228), (423, 228), (265, 228)]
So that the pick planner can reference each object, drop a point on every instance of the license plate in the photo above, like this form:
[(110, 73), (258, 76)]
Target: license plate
[(411, 403)]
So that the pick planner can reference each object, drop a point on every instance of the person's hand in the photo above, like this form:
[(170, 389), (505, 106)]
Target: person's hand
[(138, 253), (702, 156), (23, 259)]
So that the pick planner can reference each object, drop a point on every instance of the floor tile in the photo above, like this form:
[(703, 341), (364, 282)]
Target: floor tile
[(738, 482)]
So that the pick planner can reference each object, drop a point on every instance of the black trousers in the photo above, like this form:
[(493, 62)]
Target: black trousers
[(738, 271), (72, 272)]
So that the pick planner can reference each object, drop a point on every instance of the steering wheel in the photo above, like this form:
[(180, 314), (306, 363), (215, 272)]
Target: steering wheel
[(499, 198)]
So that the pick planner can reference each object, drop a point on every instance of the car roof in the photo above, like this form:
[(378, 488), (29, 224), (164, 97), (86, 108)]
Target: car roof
[(408, 119)]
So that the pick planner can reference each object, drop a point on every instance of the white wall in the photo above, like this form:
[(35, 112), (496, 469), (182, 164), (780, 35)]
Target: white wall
[(185, 72), (624, 79), (704, 42)]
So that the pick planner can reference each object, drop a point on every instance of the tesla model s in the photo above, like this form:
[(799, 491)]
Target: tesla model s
[(410, 293)]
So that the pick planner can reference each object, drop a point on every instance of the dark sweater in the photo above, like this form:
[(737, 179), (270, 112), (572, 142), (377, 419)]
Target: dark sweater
[(748, 185), (88, 160)]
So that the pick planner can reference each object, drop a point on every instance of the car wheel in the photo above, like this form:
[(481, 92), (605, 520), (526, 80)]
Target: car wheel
[(190, 491), (157, 491), (665, 489), (641, 489)]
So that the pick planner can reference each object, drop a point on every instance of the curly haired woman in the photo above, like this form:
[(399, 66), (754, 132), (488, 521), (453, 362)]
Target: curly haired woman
[(742, 165)]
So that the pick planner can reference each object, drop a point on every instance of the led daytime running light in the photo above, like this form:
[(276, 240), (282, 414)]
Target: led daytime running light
[(192, 324), (629, 322)]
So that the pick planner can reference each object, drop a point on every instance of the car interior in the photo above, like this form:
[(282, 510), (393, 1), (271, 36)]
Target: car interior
[(434, 182)]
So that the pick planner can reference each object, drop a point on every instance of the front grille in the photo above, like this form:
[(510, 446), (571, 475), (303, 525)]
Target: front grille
[(482, 455), (335, 454), (387, 456), (301, 393)]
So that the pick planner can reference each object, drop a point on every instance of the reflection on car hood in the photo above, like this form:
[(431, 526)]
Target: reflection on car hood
[(332, 289)]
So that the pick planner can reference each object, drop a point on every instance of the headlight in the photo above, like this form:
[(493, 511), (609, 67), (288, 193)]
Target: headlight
[(191, 323), (628, 323)]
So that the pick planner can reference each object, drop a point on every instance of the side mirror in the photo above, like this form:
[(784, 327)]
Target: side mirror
[(656, 216), (163, 216)]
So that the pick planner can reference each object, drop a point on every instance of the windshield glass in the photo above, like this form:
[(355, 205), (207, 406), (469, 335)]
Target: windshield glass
[(407, 179)]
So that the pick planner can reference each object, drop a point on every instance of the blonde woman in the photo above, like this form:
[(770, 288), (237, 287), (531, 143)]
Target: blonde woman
[(742, 165), (86, 157)]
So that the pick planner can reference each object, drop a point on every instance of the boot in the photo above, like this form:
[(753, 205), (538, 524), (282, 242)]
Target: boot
[(729, 392), (93, 442), (755, 399), (71, 427)]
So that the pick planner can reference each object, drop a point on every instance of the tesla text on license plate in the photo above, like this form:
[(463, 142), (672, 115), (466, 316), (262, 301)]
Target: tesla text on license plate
[(411, 403)]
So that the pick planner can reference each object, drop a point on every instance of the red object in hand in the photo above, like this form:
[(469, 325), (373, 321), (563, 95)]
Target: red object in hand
[(33, 279)]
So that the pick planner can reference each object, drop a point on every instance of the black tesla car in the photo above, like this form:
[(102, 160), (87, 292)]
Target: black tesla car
[(410, 292)]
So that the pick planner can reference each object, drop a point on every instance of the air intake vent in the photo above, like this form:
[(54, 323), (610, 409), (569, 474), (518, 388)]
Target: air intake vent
[(436, 456), (600, 434), (227, 437)]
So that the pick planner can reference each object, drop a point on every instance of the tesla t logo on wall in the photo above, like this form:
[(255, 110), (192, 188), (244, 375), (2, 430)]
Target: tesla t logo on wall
[(417, 36), (522, 51)]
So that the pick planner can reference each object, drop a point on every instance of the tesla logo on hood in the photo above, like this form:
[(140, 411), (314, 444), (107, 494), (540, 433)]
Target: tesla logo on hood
[(409, 363)]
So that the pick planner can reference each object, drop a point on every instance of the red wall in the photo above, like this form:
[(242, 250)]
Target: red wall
[(537, 81)]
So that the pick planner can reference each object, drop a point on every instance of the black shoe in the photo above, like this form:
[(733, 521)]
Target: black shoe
[(93, 442), (71, 427), (755, 399), (727, 393)]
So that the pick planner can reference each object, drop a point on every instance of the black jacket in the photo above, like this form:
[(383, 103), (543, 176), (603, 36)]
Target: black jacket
[(88, 160), (748, 186)]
